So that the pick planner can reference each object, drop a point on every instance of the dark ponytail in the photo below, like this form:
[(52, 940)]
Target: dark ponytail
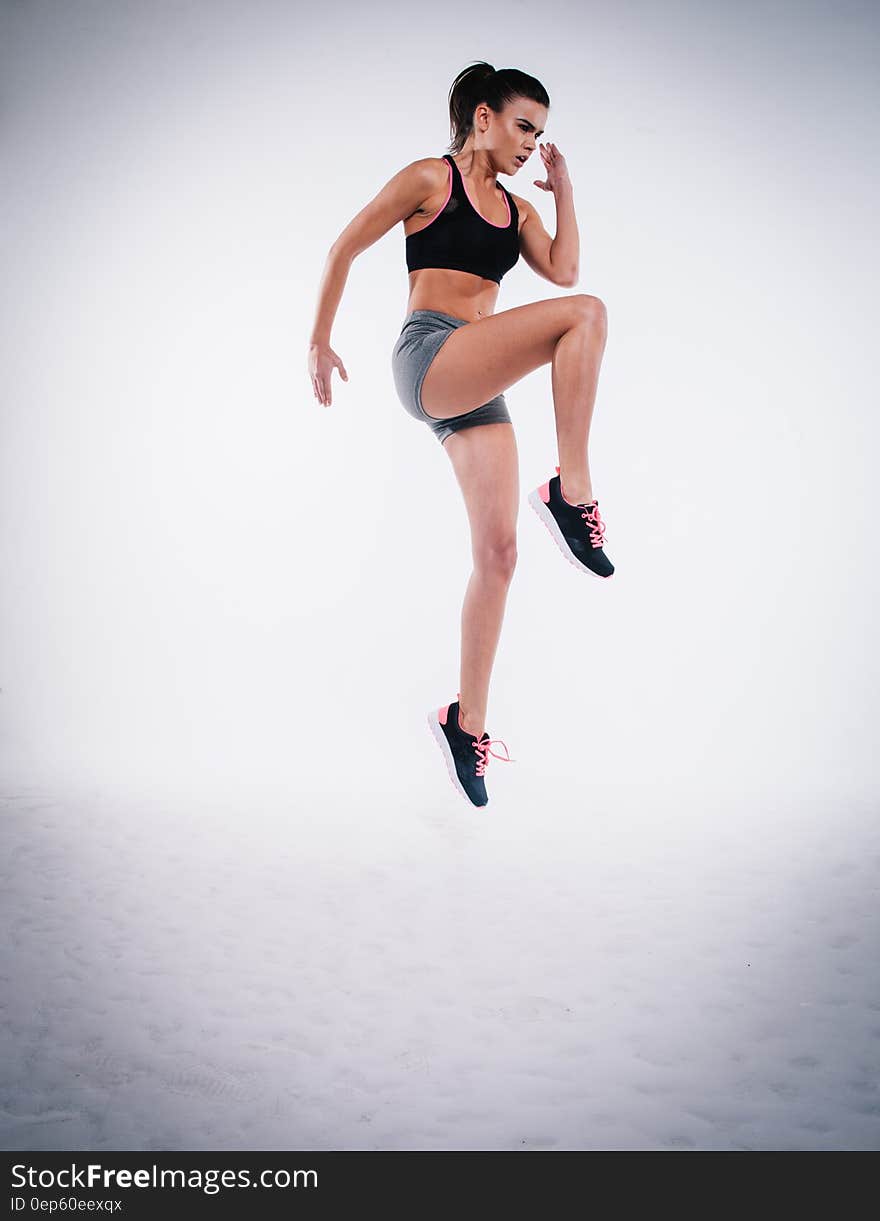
[(479, 82)]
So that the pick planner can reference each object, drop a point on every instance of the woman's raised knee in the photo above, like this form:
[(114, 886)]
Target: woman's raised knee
[(590, 310)]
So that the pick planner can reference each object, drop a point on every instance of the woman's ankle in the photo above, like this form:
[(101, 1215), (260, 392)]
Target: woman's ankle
[(578, 494), (470, 723)]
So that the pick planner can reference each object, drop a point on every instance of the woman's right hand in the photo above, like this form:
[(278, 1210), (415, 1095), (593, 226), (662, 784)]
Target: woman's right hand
[(322, 361)]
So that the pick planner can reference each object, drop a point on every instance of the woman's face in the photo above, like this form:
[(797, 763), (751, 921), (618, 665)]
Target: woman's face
[(511, 135)]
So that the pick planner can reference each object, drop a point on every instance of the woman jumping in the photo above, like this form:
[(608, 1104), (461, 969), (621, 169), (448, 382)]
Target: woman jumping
[(455, 357)]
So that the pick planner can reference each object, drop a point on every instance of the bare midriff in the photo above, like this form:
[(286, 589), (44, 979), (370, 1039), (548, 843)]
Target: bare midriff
[(459, 293)]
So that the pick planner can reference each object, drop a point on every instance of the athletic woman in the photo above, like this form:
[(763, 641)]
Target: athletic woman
[(455, 357)]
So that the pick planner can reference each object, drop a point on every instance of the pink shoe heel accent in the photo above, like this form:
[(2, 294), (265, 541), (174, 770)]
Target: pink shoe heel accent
[(443, 715), (544, 491)]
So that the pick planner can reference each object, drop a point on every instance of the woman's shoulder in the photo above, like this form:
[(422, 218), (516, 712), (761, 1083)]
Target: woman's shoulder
[(432, 173), (439, 165)]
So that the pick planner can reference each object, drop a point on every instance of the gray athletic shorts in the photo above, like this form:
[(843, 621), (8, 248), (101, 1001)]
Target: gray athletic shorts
[(423, 334)]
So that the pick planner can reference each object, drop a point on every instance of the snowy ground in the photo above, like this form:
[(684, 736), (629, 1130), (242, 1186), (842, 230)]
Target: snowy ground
[(270, 974)]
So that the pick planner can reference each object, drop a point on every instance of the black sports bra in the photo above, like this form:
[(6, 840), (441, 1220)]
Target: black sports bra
[(461, 239)]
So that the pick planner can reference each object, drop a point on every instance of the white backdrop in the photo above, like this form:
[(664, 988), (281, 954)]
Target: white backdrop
[(209, 576), (216, 589)]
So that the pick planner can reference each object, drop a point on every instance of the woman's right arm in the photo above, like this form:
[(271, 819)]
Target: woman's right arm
[(397, 200)]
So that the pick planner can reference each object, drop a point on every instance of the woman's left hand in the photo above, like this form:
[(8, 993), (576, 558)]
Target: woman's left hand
[(554, 166)]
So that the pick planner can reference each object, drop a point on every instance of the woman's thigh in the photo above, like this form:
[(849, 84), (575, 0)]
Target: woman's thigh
[(482, 359), (486, 465)]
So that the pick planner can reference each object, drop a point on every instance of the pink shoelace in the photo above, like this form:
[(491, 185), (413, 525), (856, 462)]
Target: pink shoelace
[(483, 753), (595, 523)]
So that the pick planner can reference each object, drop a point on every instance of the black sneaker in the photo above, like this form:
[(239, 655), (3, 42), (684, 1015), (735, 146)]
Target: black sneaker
[(466, 755), (578, 529)]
